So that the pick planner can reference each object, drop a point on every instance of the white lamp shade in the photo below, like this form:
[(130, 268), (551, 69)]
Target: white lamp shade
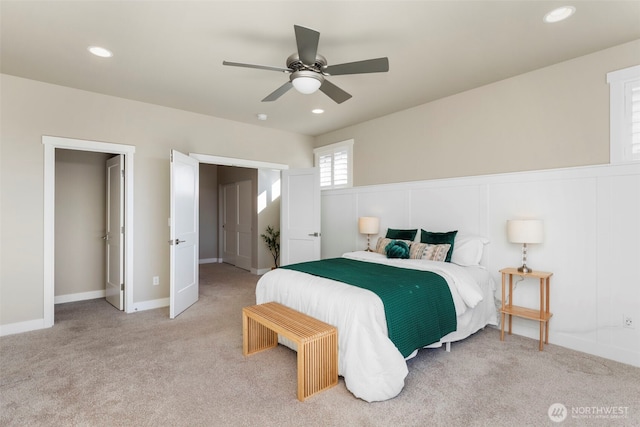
[(368, 225), (525, 231), (306, 85)]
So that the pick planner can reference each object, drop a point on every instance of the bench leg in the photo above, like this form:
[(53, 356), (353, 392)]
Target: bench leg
[(256, 337), (317, 365)]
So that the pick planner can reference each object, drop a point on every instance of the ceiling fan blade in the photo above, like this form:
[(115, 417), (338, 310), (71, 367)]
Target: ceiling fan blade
[(307, 41), (278, 92), (260, 67), (334, 92), (378, 65)]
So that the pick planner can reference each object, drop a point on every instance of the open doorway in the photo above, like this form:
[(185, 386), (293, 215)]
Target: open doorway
[(217, 172), (89, 213), (80, 218), (51, 144)]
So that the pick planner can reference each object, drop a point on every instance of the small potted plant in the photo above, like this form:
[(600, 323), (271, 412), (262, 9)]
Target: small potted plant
[(272, 240)]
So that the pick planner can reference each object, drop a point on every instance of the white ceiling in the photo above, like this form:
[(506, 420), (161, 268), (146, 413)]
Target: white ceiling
[(170, 52)]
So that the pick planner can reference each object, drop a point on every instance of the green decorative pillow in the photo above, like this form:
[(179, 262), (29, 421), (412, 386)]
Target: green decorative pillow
[(393, 233), (397, 249), (439, 238)]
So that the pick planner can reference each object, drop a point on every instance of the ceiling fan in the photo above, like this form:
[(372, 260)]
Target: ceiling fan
[(307, 69)]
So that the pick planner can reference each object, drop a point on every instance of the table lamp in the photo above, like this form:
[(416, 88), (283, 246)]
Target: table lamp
[(525, 231), (368, 225)]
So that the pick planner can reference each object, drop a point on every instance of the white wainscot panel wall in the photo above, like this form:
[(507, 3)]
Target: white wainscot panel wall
[(465, 206), (338, 232), (591, 244)]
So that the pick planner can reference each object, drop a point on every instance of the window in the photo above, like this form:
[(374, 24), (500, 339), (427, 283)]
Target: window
[(336, 163), (624, 86)]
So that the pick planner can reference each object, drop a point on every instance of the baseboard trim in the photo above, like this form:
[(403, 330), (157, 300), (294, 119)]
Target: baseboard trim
[(149, 305), (209, 260), (36, 324), (80, 296), (610, 352), (20, 327), (576, 343)]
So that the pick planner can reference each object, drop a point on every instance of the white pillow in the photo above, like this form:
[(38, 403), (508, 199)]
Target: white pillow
[(467, 249)]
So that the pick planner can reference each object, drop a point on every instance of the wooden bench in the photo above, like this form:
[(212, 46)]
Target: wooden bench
[(317, 343)]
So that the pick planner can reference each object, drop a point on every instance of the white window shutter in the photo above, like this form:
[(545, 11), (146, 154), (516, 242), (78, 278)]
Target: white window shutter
[(325, 163), (335, 162), (624, 105), (340, 168)]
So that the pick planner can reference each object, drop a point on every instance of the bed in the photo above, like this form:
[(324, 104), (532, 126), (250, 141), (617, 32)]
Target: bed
[(371, 364)]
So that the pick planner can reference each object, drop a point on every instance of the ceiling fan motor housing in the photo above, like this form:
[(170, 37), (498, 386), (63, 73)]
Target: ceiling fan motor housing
[(303, 75), (295, 64)]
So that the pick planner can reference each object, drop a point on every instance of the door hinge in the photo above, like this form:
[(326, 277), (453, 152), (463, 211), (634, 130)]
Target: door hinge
[(122, 287), (122, 230), (122, 173)]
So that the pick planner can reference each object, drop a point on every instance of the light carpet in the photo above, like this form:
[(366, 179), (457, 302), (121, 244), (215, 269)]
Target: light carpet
[(101, 367)]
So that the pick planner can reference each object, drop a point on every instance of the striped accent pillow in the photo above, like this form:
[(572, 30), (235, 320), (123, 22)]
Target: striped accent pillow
[(428, 251)]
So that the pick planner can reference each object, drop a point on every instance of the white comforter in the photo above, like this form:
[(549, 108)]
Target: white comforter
[(372, 367)]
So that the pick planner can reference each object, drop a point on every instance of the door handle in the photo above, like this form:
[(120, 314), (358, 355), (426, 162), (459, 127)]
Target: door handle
[(105, 237), (316, 234), (176, 242)]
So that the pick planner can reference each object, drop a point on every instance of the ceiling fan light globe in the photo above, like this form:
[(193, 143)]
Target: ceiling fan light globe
[(306, 82)]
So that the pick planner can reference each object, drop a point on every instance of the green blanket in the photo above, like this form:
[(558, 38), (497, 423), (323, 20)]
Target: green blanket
[(417, 304)]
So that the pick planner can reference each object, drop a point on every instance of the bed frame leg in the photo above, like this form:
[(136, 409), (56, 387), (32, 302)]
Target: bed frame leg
[(447, 347)]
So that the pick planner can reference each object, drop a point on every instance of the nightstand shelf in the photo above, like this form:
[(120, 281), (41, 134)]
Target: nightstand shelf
[(508, 309)]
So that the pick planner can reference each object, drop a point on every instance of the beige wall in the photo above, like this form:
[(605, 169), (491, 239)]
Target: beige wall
[(270, 214), (550, 118), (80, 208), (32, 109)]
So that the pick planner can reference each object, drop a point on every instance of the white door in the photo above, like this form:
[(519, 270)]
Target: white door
[(300, 216), (243, 225), (236, 227), (229, 216), (183, 264), (114, 237)]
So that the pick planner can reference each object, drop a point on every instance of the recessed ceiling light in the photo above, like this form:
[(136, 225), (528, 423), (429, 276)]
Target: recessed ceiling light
[(317, 111), (261, 116), (100, 51), (559, 14)]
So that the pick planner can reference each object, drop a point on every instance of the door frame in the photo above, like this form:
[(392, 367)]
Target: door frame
[(50, 144), (241, 163), (237, 162)]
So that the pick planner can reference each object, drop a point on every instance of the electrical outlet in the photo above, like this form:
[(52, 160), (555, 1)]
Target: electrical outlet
[(156, 280), (627, 322)]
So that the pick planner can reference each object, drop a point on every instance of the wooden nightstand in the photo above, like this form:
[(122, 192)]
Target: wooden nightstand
[(543, 315)]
